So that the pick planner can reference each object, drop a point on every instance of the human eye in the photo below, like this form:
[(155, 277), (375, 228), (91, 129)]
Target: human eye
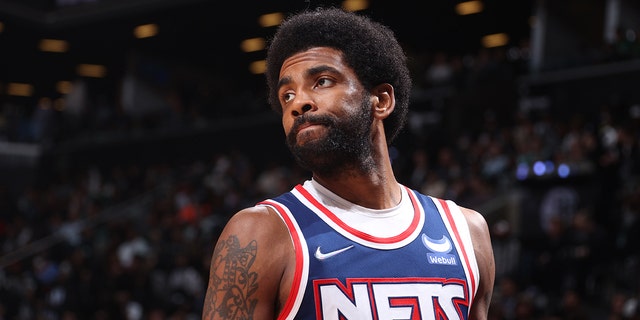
[(324, 82), (287, 96)]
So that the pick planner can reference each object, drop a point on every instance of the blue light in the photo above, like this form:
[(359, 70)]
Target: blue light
[(563, 170), (522, 171), (549, 166), (539, 168)]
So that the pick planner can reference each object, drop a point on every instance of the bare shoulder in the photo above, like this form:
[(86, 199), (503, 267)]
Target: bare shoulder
[(247, 266), (254, 219), (250, 227), (476, 221), (481, 239), (480, 236), (486, 264)]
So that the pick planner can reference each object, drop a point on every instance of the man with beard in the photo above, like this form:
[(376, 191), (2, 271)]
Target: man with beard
[(351, 242)]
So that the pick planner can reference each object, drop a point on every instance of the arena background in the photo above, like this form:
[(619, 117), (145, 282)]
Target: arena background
[(131, 130)]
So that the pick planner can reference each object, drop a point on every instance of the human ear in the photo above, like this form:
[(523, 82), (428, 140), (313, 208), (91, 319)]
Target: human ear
[(382, 100)]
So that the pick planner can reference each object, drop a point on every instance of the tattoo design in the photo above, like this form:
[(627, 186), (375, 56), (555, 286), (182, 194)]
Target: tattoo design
[(232, 285)]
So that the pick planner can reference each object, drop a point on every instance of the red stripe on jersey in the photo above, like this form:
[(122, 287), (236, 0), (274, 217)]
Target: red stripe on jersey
[(295, 285), (363, 235)]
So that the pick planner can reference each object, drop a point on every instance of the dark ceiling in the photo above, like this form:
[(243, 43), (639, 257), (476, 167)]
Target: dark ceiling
[(205, 35)]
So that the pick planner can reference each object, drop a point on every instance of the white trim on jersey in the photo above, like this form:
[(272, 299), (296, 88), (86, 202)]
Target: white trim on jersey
[(462, 241)]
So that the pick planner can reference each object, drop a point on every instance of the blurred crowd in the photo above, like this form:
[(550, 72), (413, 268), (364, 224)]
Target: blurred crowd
[(133, 241)]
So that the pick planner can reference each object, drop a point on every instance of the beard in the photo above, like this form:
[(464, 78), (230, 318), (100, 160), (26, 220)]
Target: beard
[(346, 145)]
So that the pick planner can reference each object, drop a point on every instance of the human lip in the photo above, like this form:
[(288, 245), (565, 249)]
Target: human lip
[(304, 126)]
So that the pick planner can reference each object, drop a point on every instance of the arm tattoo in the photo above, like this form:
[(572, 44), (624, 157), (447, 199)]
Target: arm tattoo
[(231, 284)]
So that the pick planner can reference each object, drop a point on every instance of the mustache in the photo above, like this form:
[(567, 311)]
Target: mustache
[(311, 119)]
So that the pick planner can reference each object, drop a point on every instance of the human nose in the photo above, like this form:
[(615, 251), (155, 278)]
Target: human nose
[(301, 105)]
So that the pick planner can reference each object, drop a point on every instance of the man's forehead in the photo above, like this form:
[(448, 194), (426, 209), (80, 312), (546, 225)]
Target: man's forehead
[(313, 58)]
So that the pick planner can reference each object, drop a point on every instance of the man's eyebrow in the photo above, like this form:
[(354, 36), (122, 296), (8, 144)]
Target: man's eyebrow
[(283, 81), (309, 73), (320, 69)]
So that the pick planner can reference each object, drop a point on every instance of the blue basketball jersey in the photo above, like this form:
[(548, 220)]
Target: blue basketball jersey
[(426, 271)]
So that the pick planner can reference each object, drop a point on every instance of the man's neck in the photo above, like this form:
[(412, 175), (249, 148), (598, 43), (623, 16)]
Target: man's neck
[(373, 190)]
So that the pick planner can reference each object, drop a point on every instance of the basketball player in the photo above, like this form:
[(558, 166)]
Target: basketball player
[(351, 242)]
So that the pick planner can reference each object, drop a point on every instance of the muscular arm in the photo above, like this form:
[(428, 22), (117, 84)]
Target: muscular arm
[(486, 263), (247, 267)]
